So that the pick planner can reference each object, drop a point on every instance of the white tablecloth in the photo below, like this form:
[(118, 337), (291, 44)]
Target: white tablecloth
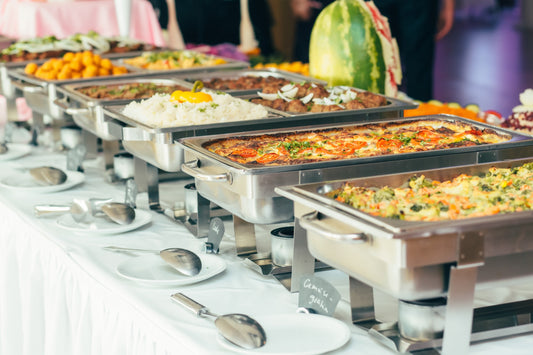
[(60, 294)]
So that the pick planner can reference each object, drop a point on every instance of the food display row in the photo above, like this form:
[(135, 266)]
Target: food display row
[(268, 146)]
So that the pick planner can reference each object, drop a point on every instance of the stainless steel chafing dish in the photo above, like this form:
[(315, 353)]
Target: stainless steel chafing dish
[(158, 146), (419, 260), (40, 94), (235, 74), (8, 87), (88, 113), (248, 191)]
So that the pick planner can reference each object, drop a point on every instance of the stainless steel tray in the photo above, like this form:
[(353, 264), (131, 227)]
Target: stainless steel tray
[(248, 191), (8, 87), (88, 113), (231, 64), (394, 108), (40, 94), (411, 260), (158, 146), (235, 74)]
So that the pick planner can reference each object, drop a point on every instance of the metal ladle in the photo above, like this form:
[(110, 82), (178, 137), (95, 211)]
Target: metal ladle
[(184, 261), (48, 176), (239, 329)]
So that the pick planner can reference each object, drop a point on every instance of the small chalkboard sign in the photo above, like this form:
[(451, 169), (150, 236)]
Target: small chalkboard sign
[(214, 235), (318, 295)]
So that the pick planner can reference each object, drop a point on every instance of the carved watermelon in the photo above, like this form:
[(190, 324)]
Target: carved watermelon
[(351, 44)]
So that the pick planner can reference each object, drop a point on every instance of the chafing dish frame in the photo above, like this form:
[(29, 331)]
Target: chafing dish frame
[(417, 260)]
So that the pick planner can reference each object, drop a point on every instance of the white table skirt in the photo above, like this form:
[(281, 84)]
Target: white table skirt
[(60, 294)]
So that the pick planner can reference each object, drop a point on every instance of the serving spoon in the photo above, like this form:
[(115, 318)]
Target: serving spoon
[(48, 175), (238, 329), (184, 261), (84, 211), (118, 212)]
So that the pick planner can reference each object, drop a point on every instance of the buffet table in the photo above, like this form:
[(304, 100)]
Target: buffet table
[(61, 294), (30, 19)]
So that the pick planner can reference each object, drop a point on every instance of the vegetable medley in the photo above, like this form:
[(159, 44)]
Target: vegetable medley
[(499, 190)]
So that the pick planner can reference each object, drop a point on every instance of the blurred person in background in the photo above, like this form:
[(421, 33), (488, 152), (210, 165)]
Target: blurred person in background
[(416, 24), (305, 12), (214, 22)]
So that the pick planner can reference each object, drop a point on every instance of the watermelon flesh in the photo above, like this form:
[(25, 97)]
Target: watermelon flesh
[(351, 45)]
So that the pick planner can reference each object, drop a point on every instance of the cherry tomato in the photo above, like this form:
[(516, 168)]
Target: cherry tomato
[(267, 158)]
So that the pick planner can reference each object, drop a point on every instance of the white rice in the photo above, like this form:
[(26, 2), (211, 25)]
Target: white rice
[(159, 111)]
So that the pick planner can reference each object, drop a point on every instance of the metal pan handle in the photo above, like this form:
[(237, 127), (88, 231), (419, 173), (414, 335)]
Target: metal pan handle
[(191, 168), (62, 103), (28, 88), (306, 221)]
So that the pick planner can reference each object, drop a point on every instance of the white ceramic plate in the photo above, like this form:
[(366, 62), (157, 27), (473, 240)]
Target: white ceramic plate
[(297, 334), (15, 151), (152, 269), (22, 180), (104, 226)]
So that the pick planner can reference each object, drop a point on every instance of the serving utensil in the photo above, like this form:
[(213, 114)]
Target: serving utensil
[(83, 211), (118, 212), (184, 261), (48, 175), (239, 329)]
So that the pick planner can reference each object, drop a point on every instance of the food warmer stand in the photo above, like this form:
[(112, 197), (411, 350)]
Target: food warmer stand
[(248, 192), (417, 261)]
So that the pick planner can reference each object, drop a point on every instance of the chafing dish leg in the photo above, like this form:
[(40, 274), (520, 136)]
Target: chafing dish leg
[(12, 113), (147, 180), (90, 141), (362, 303), (303, 263), (459, 310), (244, 237), (37, 127), (199, 216), (110, 148)]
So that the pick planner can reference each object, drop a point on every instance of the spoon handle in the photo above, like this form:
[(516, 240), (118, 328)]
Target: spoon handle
[(114, 248), (190, 304), (50, 210)]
